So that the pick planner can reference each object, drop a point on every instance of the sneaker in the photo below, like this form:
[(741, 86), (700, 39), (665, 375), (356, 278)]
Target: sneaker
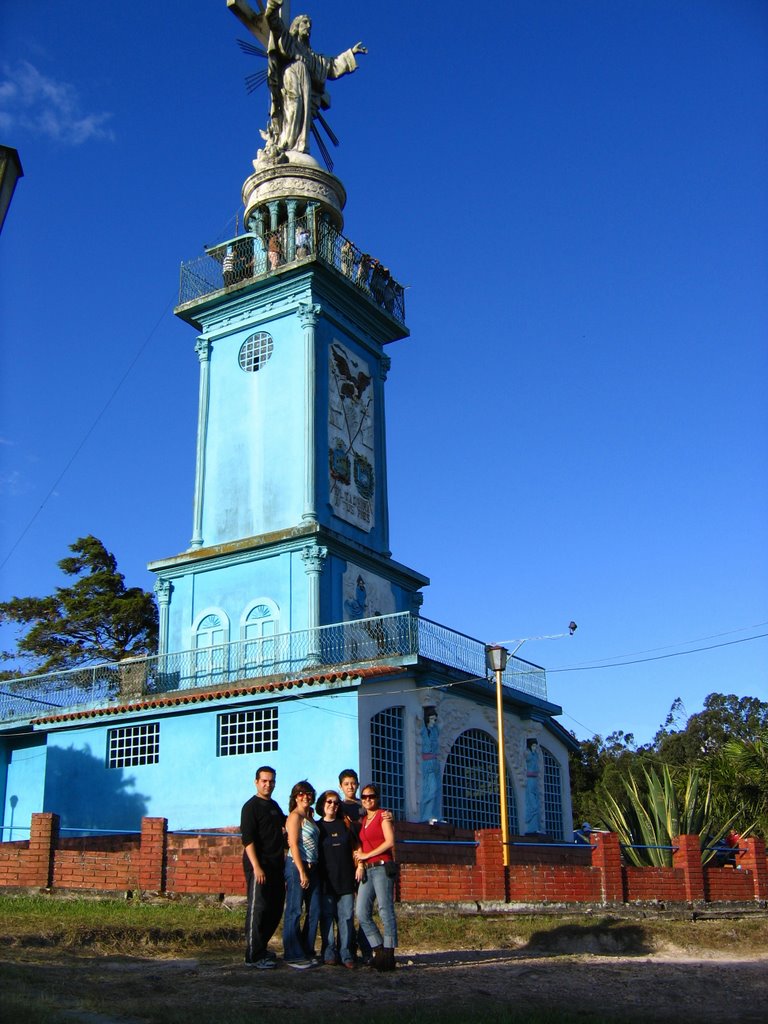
[(299, 965), (265, 964)]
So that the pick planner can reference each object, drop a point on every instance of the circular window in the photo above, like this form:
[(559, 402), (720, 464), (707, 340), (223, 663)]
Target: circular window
[(255, 351)]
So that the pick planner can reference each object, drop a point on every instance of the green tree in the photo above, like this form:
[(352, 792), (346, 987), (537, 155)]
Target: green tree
[(95, 618), (724, 717), (599, 766)]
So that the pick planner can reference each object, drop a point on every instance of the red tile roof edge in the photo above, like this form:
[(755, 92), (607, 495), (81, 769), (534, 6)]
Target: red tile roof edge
[(219, 694)]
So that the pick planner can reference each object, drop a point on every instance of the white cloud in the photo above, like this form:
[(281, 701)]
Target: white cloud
[(45, 107)]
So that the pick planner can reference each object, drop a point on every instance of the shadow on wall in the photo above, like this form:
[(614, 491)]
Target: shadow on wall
[(86, 795)]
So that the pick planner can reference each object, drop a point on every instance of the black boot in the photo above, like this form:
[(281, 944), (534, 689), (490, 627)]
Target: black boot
[(377, 958), (388, 959)]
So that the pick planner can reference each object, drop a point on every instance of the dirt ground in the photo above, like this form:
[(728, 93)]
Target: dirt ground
[(593, 983)]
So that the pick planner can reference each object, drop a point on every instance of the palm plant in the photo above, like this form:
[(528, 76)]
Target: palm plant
[(654, 811), (739, 773)]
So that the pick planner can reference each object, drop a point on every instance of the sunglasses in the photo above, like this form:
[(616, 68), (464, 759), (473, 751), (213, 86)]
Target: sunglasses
[(335, 802), (310, 795), (369, 796)]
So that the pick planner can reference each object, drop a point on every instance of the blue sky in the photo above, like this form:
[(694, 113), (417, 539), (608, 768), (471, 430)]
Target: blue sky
[(575, 193)]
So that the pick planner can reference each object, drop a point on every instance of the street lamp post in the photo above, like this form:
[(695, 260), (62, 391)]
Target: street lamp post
[(496, 659)]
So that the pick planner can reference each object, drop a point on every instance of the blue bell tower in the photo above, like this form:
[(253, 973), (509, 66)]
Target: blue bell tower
[(290, 524)]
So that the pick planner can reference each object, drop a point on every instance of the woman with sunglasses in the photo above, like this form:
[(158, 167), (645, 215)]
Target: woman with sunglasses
[(337, 872), (302, 879), (376, 874)]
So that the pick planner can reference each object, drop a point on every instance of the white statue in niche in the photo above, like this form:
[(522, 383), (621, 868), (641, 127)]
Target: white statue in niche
[(532, 797), (430, 805)]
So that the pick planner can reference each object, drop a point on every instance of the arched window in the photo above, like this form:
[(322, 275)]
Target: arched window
[(387, 759), (471, 784), (258, 628), (553, 799), (211, 646)]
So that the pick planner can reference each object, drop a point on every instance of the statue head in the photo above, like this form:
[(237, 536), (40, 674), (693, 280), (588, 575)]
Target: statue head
[(430, 716), (301, 26)]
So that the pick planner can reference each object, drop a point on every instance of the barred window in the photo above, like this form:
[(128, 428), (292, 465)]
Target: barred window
[(387, 759), (255, 351), (247, 732), (133, 745), (471, 784), (553, 801)]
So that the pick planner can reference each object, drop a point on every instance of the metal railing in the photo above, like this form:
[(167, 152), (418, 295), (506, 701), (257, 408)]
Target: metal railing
[(384, 639), (253, 256)]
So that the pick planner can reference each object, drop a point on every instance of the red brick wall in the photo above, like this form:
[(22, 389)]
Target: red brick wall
[(440, 864), (727, 884), (665, 884), (205, 864)]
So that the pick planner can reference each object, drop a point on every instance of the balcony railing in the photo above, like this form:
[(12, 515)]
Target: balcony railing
[(387, 639), (253, 256)]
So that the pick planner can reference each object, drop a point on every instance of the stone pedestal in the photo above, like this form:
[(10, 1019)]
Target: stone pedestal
[(302, 183)]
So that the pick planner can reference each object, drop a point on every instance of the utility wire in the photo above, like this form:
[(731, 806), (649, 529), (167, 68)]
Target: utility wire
[(682, 643), (100, 414), (658, 657), (86, 436)]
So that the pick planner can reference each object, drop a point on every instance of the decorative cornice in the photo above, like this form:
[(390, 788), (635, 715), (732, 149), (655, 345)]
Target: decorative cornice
[(203, 349)]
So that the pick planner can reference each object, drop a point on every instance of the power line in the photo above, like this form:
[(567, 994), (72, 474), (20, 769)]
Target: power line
[(86, 436), (659, 657), (681, 643)]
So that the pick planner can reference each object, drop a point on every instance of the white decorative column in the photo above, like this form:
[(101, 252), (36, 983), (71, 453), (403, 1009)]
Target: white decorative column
[(314, 560), (308, 316), (203, 349), (163, 589)]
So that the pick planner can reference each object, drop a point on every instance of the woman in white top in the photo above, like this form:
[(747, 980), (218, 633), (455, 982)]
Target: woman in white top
[(302, 879)]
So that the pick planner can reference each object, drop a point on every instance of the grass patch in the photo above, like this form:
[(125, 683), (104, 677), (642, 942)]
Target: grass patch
[(116, 926)]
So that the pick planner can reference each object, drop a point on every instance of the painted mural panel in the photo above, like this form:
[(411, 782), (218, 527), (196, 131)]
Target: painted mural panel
[(351, 456)]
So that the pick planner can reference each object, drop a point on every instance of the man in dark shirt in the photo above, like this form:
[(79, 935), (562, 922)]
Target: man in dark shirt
[(262, 825)]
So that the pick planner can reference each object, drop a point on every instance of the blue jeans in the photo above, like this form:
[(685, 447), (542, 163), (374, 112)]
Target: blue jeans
[(298, 939), (337, 910), (377, 886)]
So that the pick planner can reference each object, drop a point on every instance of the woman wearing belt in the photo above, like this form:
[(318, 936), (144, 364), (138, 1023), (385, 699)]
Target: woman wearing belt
[(302, 879), (376, 873)]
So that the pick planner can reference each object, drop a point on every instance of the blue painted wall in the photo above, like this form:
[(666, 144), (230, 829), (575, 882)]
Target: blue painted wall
[(231, 585), (25, 767), (191, 785)]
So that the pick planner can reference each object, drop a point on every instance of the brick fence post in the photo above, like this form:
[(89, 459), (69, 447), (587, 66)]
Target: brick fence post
[(154, 845), (687, 857), (490, 863), (754, 860), (606, 855), (43, 839)]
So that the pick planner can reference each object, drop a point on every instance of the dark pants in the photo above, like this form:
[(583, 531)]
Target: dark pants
[(264, 910)]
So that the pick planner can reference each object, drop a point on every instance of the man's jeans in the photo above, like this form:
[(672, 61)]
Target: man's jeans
[(298, 939), (377, 886)]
